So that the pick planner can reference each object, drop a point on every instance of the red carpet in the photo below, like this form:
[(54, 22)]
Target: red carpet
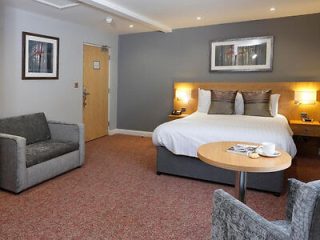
[(117, 195)]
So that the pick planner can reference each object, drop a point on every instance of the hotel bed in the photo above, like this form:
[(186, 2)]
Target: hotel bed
[(184, 136), (177, 143)]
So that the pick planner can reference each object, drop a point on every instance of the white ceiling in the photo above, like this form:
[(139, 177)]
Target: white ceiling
[(171, 13)]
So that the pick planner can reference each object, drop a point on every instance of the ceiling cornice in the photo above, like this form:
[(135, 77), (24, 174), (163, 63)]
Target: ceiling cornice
[(127, 13), (64, 6)]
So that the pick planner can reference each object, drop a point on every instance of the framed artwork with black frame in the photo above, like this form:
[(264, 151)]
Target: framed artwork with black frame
[(40, 56), (243, 54)]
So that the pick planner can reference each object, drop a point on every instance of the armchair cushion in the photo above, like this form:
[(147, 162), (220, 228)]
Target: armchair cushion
[(33, 127), (46, 150), (283, 224)]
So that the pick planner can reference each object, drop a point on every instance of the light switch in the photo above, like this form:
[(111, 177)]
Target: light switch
[(76, 85)]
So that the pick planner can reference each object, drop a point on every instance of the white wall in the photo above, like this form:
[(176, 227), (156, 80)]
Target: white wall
[(57, 98)]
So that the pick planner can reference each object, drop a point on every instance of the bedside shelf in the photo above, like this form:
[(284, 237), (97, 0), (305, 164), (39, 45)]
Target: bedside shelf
[(174, 117), (308, 129)]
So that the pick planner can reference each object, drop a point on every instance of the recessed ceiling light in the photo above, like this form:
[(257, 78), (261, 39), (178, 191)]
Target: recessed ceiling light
[(109, 20), (272, 9), (198, 18), (131, 26)]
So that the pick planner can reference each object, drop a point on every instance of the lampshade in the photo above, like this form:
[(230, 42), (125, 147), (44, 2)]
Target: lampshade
[(305, 97), (183, 94)]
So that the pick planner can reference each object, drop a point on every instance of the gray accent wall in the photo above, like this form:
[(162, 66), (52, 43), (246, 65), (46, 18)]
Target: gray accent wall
[(149, 63), (57, 98)]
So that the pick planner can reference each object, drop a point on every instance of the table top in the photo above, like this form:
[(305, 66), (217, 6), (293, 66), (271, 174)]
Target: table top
[(215, 154), (182, 115), (300, 122)]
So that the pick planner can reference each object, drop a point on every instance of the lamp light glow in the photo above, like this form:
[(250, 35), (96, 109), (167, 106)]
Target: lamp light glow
[(183, 95), (305, 97)]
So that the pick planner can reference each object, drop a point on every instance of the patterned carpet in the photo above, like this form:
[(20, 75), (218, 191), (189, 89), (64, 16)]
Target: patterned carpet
[(117, 195)]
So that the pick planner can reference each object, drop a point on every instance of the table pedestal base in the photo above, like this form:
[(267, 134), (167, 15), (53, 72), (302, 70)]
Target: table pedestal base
[(241, 186)]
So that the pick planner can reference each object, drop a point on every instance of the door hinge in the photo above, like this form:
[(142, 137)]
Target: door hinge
[(109, 57), (108, 124)]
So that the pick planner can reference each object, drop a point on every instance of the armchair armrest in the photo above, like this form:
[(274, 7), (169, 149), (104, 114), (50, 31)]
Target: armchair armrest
[(231, 219), (13, 173), (69, 132)]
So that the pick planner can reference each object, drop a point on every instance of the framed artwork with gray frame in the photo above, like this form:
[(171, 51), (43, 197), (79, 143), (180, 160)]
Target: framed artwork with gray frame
[(40, 56), (243, 54)]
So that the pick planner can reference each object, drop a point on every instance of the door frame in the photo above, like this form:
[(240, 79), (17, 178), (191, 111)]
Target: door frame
[(109, 78)]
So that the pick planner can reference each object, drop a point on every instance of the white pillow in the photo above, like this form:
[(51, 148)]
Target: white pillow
[(204, 100), (274, 104), (239, 104)]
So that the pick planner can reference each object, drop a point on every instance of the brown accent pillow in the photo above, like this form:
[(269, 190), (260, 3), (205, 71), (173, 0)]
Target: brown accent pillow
[(222, 102), (257, 103)]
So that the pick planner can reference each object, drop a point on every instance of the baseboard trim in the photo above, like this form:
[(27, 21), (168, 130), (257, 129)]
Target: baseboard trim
[(130, 132)]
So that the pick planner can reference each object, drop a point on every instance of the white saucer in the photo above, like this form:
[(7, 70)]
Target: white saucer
[(261, 153)]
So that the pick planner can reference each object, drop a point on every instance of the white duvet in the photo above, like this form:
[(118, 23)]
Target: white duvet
[(184, 136)]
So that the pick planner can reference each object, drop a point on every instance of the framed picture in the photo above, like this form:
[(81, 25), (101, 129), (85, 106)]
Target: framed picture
[(40, 56), (243, 54)]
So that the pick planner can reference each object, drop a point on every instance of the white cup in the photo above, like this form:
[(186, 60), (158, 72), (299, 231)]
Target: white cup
[(268, 148)]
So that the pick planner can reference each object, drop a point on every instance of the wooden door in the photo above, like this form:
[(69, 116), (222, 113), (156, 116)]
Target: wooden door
[(95, 91)]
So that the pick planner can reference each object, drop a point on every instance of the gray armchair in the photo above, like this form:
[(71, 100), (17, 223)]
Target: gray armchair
[(33, 150), (232, 219)]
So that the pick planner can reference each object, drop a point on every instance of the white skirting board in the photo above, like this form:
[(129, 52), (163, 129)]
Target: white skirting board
[(130, 132)]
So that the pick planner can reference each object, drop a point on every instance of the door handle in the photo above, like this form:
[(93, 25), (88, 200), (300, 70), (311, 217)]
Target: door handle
[(85, 93)]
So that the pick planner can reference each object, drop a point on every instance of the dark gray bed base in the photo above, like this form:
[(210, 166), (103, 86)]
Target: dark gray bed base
[(185, 166)]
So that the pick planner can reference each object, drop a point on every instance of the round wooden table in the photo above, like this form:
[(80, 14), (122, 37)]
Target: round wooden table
[(216, 155)]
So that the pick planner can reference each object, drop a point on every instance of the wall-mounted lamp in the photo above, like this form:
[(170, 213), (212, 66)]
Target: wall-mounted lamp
[(183, 94), (305, 97)]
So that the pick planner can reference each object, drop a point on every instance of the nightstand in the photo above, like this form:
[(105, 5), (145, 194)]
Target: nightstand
[(306, 129), (174, 117)]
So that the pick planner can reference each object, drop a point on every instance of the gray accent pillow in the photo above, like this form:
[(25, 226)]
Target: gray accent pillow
[(257, 103), (33, 127), (222, 102)]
